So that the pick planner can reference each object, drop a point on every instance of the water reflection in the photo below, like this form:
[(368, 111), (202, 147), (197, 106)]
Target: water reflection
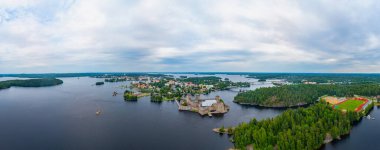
[(63, 117)]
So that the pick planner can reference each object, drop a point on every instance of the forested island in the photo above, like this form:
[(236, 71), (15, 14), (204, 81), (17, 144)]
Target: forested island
[(302, 128), (129, 96), (30, 83), (99, 83), (302, 94)]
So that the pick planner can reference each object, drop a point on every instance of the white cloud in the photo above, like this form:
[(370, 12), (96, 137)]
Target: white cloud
[(150, 35)]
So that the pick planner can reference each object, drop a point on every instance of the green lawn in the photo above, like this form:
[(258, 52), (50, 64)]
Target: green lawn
[(349, 105)]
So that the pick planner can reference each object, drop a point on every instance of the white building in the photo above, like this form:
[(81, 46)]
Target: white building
[(208, 103)]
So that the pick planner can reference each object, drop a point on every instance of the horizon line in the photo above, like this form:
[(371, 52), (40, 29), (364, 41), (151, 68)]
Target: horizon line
[(191, 72)]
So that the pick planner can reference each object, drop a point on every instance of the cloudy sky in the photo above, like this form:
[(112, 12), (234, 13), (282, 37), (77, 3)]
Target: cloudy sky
[(189, 35)]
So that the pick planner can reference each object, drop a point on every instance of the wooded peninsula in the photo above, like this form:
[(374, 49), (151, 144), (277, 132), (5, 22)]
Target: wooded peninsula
[(302, 128)]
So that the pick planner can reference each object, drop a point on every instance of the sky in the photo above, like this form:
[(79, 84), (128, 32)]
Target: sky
[(45, 36)]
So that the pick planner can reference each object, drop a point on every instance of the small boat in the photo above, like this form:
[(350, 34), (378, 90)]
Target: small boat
[(98, 112)]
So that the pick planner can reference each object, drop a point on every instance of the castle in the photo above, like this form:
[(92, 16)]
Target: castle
[(204, 106)]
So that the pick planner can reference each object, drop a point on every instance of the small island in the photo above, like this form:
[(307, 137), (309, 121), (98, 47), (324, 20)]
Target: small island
[(203, 106), (99, 83), (30, 83), (261, 80), (223, 130), (129, 96)]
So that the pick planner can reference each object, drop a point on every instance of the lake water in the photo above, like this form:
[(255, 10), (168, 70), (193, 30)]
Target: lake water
[(63, 117)]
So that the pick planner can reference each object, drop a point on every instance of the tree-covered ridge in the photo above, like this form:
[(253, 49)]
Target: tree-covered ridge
[(300, 94), (30, 83), (302, 128)]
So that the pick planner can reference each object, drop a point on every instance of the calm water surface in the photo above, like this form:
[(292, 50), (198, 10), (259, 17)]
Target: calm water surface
[(63, 117)]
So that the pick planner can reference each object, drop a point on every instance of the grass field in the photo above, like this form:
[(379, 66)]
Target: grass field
[(349, 105)]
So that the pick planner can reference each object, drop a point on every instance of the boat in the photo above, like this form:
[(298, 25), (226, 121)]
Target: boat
[(370, 118), (98, 112), (114, 93)]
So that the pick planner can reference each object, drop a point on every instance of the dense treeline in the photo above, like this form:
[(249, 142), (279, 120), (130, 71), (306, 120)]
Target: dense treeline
[(30, 83), (302, 128), (299, 94)]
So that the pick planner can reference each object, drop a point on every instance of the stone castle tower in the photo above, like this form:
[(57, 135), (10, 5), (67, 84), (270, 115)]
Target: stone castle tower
[(217, 98)]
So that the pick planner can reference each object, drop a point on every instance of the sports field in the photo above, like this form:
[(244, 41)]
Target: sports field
[(349, 105), (331, 99)]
